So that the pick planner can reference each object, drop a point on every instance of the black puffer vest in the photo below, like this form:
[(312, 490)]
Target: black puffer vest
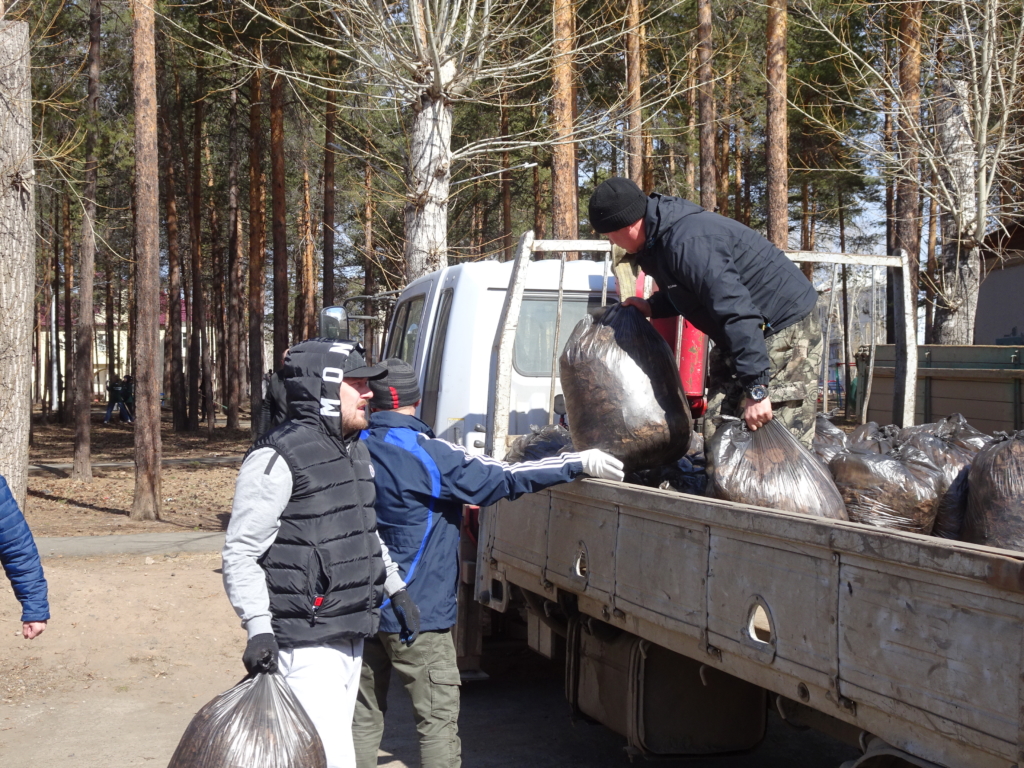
[(325, 573)]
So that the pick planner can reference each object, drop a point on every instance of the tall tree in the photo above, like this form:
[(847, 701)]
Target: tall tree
[(17, 244), (706, 107), (197, 353), (776, 127), (257, 248), (564, 199), (330, 117), (146, 504), (232, 348), (179, 409), (634, 132), (279, 216), (82, 468)]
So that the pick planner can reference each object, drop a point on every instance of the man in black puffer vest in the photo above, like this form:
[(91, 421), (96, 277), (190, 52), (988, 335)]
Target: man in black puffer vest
[(304, 567)]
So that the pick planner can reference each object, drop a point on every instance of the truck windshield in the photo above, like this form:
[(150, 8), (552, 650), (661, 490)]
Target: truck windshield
[(532, 354)]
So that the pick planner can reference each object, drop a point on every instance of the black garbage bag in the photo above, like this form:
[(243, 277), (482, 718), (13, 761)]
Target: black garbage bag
[(828, 438), (931, 428), (871, 438), (954, 429), (622, 390), (541, 443), (769, 468), (259, 722), (952, 508), (951, 461), (898, 491), (684, 476), (995, 495)]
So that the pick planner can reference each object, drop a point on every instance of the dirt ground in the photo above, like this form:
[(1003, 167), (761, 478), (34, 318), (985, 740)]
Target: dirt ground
[(135, 649)]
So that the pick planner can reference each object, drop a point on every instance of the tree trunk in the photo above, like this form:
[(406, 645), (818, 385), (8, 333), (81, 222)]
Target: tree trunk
[(305, 300), (179, 411), (108, 316), (428, 179), (69, 324), (17, 244), (634, 130), (907, 232), (55, 313), (146, 505), (196, 341), (724, 162), (368, 253), (82, 468), (330, 115), (564, 199), (706, 107), (931, 268), (959, 269), (232, 348), (777, 130), (257, 250), (506, 186), (539, 189), (280, 212), (217, 294)]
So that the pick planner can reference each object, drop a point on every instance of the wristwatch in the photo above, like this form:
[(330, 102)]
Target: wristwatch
[(757, 392)]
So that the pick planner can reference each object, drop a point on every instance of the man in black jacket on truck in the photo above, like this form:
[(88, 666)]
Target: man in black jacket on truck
[(735, 286)]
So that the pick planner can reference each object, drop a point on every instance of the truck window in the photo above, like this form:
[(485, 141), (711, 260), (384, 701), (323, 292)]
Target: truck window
[(406, 330), (532, 353), (433, 379)]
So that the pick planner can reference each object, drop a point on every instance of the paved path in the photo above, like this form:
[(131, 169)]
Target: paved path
[(130, 544), (63, 469)]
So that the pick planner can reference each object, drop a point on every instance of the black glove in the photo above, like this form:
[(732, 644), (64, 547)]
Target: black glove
[(408, 616), (261, 654)]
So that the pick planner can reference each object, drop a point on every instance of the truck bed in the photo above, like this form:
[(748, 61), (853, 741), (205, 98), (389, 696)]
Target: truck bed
[(911, 638)]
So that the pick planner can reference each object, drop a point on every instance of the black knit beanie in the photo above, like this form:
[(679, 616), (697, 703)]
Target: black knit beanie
[(616, 203), (396, 389)]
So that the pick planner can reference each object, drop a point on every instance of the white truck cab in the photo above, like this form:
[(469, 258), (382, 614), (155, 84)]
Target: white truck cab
[(445, 325)]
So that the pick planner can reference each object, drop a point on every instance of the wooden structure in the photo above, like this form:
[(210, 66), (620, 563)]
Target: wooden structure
[(983, 383)]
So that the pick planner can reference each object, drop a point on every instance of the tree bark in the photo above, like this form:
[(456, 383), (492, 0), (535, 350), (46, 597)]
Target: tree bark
[(257, 249), (305, 300), (634, 130), (907, 231), (777, 128), (146, 505), (82, 467), (69, 324), (233, 348), (428, 179), (280, 214), (706, 107), (108, 316), (196, 341), (17, 244), (368, 253), (506, 185), (179, 410), (55, 313), (564, 199), (330, 115)]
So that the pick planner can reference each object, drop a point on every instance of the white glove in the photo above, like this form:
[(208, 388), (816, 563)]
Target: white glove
[(597, 463)]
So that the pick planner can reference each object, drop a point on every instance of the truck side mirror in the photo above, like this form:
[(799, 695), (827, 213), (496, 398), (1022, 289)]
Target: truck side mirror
[(334, 323)]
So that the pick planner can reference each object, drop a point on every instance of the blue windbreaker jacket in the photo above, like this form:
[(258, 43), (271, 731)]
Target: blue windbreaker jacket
[(422, 483), (20, 559)]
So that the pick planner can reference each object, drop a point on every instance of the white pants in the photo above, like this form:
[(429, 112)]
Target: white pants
[(325, 679)]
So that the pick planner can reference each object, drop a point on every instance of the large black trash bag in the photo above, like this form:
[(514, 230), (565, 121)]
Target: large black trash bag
[(828, 438), (622, 390), (898, 491), (952, 462), (995, 495), (684, 476), (541, 443), (871, 438), (954, 429), (769, 468), (257, 724)]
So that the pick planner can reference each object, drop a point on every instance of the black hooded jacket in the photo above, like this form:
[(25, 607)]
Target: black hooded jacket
[(724, 278), (325, 572)]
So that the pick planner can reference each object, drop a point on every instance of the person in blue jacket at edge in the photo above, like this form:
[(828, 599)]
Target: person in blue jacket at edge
[(422, 483), (20, 560)]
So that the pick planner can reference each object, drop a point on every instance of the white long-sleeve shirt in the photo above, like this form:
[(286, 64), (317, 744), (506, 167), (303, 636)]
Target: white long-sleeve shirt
[(262, 491)]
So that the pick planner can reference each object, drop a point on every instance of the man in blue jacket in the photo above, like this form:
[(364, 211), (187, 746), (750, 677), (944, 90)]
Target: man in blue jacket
[(735, 286), (422, 483), (20, 559)]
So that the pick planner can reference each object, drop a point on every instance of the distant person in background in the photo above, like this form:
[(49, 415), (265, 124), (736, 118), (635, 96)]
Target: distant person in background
[(20, 559), (115, 398)]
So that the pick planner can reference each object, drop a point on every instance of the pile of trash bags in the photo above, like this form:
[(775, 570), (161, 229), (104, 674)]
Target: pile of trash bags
[(828, 438), (770, 468), (541, 443), (259, 722), (622, 390)]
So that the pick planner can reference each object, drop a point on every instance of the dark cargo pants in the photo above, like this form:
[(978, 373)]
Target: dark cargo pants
[(795, 357), (429, 673)]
